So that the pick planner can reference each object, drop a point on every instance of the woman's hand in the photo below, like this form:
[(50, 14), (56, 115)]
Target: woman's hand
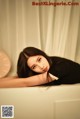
[(48, 77), (51, 77)]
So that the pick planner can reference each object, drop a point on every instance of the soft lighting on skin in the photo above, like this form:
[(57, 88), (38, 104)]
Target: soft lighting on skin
[(38, 63)]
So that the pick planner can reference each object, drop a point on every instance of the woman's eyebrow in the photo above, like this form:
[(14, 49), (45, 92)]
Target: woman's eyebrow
[(37, 58)]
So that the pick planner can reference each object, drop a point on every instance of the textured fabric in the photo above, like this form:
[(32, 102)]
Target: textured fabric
[(66, 70)]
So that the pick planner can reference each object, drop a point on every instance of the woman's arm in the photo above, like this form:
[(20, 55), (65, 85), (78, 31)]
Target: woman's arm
[(8, 78), (25, 82)]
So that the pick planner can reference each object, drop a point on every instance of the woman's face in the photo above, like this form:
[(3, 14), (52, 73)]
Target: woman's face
[(38, 63)]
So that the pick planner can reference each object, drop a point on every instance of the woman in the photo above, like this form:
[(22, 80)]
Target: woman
[(33, 61), (34, 67), (23, 80)]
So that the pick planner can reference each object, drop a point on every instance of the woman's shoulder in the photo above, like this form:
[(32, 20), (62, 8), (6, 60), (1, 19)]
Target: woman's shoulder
[(57, 59)]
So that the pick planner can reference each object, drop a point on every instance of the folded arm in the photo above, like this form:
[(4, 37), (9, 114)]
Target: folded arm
[(25, 82)]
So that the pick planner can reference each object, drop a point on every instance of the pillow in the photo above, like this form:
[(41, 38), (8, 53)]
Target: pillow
[(5, 64)]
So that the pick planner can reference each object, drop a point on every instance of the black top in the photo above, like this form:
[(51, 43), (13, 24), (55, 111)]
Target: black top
[(66, 70)]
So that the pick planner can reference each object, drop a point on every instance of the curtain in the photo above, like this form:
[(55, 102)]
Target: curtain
[(53, 29)]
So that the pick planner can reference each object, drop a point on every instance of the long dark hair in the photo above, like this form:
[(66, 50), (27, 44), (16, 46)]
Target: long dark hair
[(23, 70)]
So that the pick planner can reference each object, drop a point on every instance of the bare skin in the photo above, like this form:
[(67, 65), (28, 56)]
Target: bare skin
[(15, 82), (38, 64)]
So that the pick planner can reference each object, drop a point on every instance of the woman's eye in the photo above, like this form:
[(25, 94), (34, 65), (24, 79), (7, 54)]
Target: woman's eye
[(39, 59), (34, 67)]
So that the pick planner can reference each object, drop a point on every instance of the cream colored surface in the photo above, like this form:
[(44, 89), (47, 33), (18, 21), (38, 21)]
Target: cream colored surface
[(55, 30), (56, 102)]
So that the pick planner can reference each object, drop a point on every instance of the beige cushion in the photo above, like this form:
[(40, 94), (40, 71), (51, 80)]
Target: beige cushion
[(5, 64)]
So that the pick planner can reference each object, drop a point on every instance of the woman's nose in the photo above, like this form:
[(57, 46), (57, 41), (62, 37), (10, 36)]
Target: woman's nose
[(41, 66)]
